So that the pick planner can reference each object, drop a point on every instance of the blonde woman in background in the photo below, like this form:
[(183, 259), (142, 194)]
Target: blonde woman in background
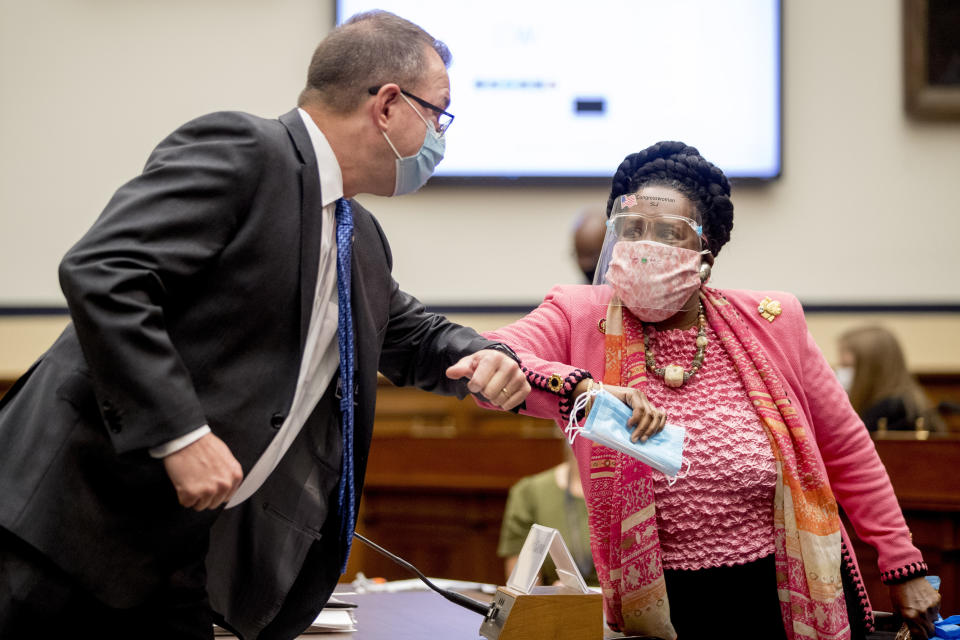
[(882, 391)]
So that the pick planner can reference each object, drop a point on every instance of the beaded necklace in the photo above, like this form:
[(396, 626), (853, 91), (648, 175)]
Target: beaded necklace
[(673, 374)]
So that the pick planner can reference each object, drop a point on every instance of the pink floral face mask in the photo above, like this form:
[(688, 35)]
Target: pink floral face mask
[(653, 280)]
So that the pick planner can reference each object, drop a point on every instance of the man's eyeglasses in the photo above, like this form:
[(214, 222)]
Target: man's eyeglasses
[(444, 119)]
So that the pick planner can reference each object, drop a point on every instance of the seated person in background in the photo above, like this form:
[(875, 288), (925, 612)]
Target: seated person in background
[(589, 229), (749, 534), (552, 498), (874, 372)]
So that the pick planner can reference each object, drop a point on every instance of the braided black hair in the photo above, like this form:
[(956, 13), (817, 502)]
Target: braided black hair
[(680, 167)]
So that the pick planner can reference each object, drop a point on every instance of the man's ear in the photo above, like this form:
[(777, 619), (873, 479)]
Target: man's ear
[(383, 102)]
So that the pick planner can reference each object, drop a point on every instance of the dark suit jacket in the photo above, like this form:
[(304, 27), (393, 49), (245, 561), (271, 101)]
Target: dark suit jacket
[(190, 299)]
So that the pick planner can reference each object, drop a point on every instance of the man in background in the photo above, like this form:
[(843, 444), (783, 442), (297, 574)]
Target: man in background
[(589, 229), (230, 310)]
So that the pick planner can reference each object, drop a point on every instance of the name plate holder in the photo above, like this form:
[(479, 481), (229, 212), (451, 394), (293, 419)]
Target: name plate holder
[(523, 611)]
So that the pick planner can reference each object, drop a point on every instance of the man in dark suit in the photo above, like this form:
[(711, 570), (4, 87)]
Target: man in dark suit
[(209, 360)]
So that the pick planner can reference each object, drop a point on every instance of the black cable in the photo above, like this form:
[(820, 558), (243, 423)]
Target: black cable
[(457, 598)]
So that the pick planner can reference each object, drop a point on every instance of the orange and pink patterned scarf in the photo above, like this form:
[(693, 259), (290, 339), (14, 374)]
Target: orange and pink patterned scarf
[(623, 521)]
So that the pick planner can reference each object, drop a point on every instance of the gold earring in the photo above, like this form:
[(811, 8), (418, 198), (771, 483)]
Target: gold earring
[(705, 270)]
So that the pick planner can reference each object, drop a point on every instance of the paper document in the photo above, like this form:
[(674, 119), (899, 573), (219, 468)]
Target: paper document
[(335, 620)]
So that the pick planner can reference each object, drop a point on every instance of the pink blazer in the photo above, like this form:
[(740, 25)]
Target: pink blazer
[(563, 334)]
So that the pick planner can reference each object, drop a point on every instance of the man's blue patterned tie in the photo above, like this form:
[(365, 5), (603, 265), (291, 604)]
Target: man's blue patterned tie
[(345, 499)]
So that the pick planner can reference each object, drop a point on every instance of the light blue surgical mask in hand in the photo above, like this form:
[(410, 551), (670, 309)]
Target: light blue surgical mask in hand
[(607, 425), (414, 171)]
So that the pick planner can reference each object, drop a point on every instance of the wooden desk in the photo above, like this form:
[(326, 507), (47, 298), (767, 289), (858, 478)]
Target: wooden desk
[(926, 478), (412, 615)]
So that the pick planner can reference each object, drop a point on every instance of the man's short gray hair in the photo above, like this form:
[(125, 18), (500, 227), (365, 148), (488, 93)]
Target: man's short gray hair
[(368, 50)]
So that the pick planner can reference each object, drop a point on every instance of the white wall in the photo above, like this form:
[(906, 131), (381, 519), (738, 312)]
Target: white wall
[(89, 87), (866, 209)]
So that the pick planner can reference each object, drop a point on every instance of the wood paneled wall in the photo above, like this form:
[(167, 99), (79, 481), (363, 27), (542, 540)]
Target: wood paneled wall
[(440, 469), (924, 477)]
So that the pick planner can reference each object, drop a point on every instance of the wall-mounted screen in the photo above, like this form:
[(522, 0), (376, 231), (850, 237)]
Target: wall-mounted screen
[(543, 89)]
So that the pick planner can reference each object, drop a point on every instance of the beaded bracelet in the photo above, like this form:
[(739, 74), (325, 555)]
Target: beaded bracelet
[(902, 574), (557, 385)]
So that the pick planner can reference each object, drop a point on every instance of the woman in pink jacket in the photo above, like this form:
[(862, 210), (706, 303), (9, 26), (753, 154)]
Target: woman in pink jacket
[(748, 533)]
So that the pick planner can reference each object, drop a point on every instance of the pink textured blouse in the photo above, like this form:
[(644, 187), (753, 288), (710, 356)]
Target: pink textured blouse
[(719, 511)]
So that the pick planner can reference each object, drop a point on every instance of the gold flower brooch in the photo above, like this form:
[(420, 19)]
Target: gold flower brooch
[(770, 309)]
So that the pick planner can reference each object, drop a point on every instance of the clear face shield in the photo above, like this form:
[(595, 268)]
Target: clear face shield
[(651, 253)]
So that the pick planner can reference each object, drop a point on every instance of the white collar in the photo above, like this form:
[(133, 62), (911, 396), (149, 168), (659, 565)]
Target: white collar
[(331, 180)]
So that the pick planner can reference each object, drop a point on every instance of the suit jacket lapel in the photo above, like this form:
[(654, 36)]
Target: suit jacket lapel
[(311, 218)]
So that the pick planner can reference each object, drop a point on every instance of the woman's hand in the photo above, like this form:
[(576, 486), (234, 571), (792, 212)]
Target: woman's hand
[(918, 604), (646, 421)]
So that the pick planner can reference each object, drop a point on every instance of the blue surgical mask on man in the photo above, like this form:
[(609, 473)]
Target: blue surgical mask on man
[(607, 425), (414, 171)]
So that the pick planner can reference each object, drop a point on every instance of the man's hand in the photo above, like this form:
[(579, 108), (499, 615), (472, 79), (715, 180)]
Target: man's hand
[(204, 473), (917, 603), (494, 375)]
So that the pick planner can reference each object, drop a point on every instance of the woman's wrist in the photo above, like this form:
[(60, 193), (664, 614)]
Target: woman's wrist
[(586, 386), (582, 387), (564, 387)]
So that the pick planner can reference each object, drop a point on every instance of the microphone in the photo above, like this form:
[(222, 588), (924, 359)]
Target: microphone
[(457, 598)]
